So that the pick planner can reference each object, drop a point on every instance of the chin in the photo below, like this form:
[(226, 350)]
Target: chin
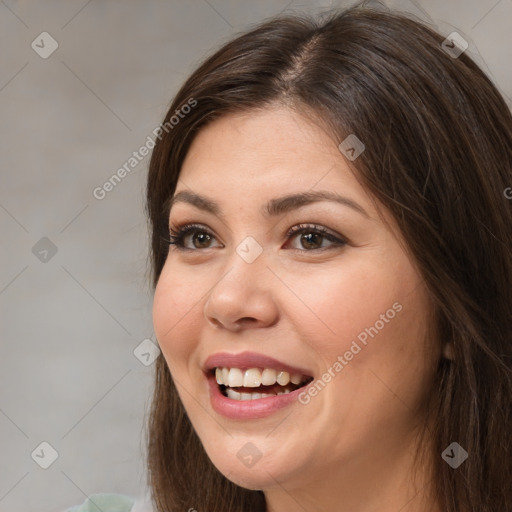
[(257, 474), (251, 478)]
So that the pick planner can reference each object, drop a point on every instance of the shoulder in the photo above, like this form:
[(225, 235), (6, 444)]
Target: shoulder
[(106, 502)]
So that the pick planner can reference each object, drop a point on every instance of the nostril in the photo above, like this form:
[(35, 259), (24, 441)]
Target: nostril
[(246, 320)]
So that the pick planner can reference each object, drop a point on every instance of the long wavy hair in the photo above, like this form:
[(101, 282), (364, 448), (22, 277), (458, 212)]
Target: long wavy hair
[(438, 156)]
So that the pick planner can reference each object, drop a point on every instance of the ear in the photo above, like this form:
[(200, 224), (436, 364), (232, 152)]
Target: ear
[(448, 351)]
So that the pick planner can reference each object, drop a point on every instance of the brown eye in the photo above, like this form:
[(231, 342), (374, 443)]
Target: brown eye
[(200, 239), (312, 238)]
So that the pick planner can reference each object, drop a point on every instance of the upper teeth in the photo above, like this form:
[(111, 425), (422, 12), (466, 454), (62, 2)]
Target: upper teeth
[(254, 377)]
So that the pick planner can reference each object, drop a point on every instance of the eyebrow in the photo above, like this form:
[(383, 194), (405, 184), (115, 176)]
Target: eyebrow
[(274, 207)]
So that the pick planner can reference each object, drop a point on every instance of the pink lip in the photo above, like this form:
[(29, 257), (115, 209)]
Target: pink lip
[(248, 409), (246, 360)]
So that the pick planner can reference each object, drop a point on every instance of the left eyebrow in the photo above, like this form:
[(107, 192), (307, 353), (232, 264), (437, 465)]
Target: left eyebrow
[(285, 204), (274, 207)]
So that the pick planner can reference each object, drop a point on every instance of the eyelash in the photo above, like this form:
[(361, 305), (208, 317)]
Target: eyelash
[(178, 234)]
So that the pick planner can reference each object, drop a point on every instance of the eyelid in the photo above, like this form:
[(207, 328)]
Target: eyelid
[(298, 228)]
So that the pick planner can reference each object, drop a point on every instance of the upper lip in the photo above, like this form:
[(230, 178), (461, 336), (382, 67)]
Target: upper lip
[(246, 360)]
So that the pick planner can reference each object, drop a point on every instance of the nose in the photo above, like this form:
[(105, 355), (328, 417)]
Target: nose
[(243, 298)]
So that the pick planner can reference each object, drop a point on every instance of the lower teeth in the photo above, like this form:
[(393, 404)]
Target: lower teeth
[(236, 395)]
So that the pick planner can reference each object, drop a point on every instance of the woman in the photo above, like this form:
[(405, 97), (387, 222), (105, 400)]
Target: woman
[(332, 268)]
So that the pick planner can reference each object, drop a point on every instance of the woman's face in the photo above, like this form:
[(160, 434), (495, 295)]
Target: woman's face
[(345, 307)]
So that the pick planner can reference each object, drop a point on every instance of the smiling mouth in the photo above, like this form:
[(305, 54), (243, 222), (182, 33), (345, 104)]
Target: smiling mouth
[(257, 383)]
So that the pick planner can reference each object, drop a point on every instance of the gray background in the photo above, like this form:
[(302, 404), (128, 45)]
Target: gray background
[(70, 321)]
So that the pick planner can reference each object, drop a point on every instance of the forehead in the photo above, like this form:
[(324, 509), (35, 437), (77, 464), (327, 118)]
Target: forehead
[(262, 127), (276, 146)]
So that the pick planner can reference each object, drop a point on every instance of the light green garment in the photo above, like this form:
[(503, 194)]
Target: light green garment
[(105, 503)]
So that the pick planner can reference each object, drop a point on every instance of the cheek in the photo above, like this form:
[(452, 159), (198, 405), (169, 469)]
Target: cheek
[(339, 303), (375, 315), (386, 348), (174, 305)]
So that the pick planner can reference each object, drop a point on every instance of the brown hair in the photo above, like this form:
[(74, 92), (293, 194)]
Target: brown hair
[(438, 155)]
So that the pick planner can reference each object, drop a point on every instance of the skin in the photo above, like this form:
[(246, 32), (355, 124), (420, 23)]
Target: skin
[(352, 446)]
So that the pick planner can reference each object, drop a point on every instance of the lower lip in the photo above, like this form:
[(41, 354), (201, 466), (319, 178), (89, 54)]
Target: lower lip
[(248, 409)]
